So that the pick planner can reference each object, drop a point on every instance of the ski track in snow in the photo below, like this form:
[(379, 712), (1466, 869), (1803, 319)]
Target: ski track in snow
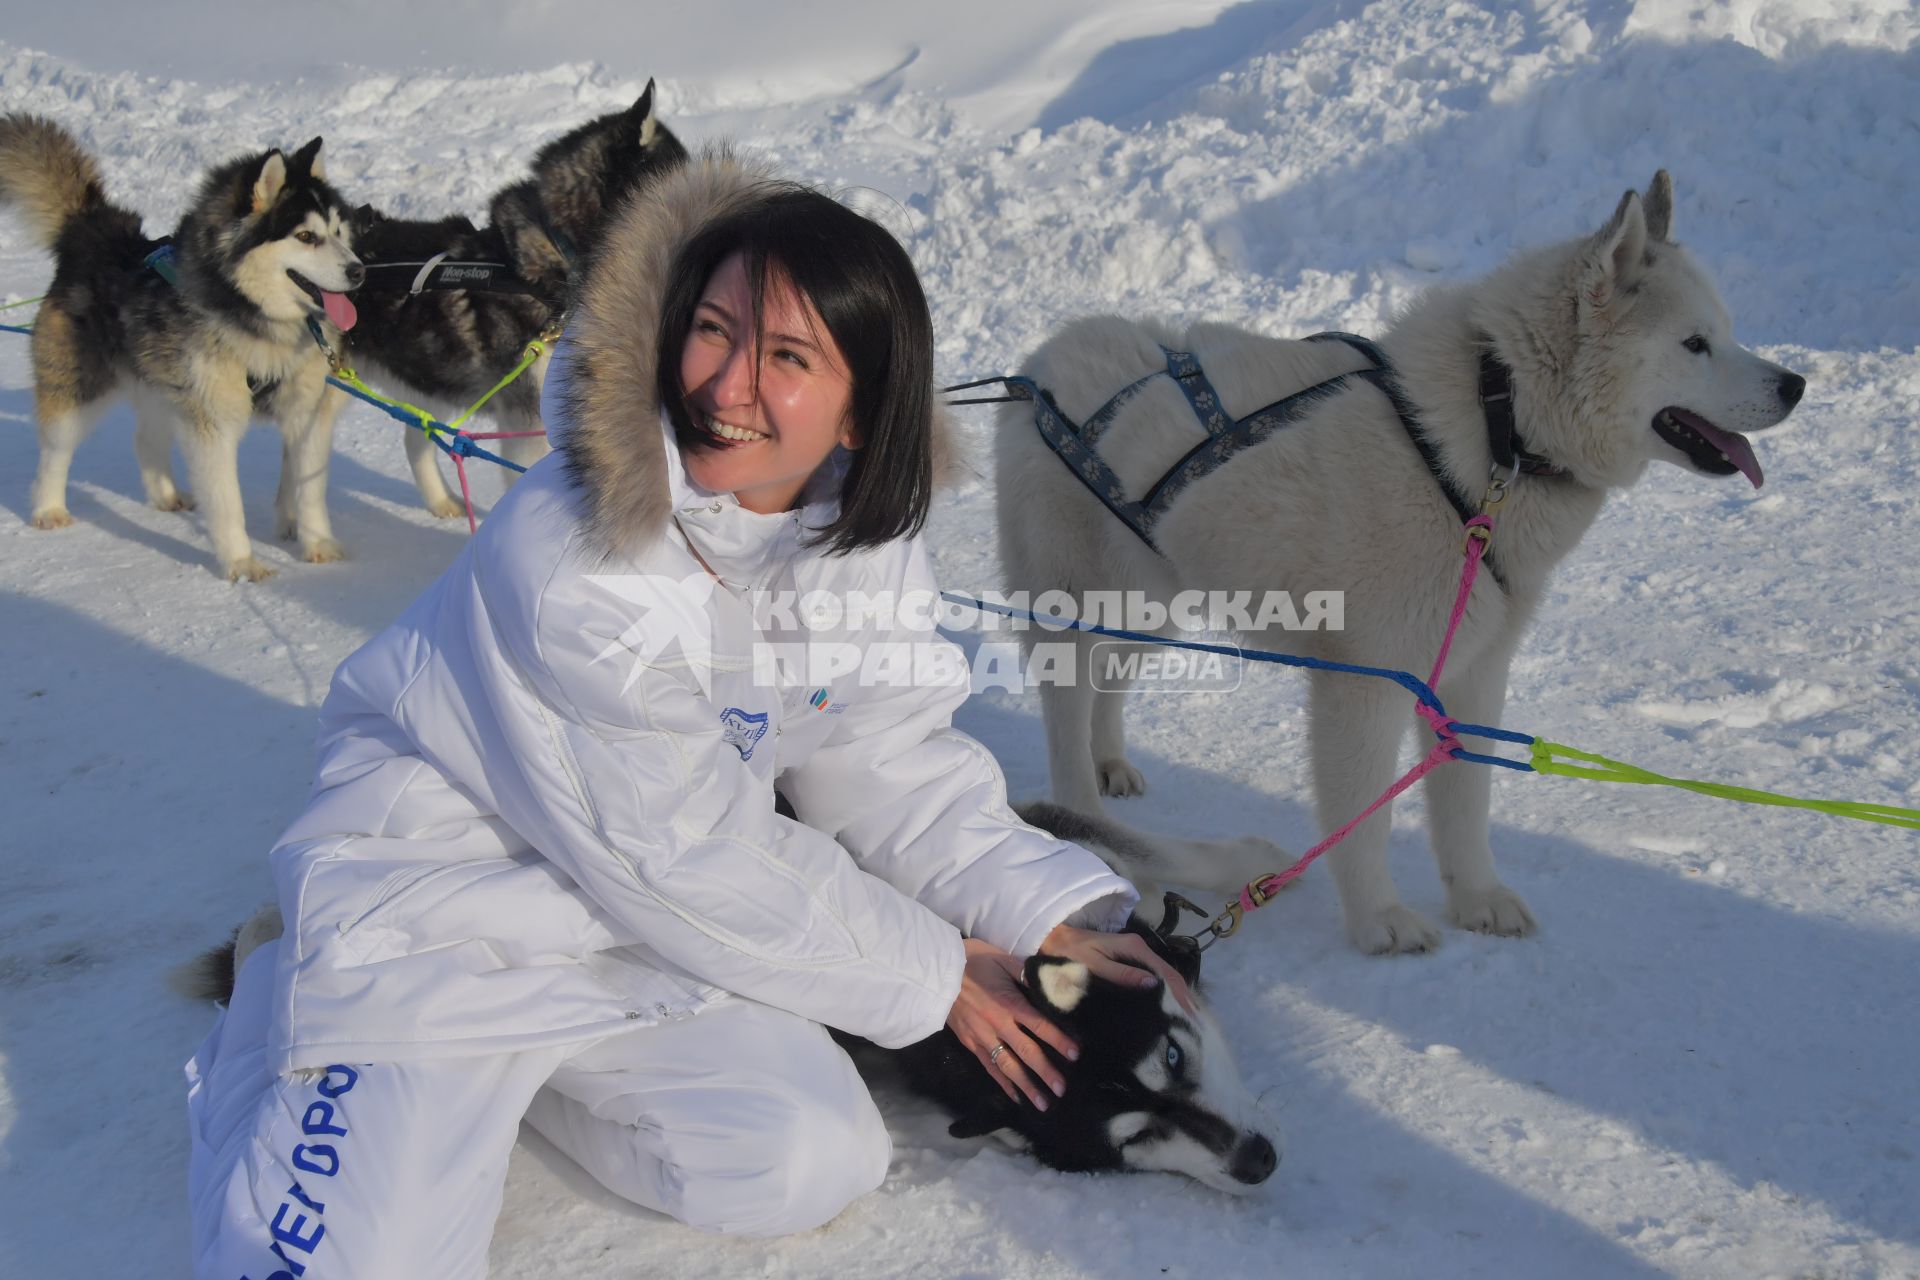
[(1703, 1065)]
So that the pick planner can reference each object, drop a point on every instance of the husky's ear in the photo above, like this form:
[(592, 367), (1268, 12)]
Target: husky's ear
[(1056, 984), (269, 181), (642, 110), (989, 1116), (1660, 207), (306, 162), (1614, 257), (515, 214)]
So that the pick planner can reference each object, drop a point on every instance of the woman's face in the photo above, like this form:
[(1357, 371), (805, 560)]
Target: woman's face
[(761, 442)]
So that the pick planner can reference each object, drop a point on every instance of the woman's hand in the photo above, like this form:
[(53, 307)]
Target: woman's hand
[(993, 1011), (1124, 958)]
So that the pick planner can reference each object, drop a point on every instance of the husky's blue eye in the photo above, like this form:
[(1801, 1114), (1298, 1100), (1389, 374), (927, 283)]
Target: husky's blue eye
[(1173, 1056)]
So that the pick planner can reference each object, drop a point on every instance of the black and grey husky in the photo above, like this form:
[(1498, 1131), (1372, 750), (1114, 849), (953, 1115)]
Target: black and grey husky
[(1154, 1087), (448, 346), (202, 343)]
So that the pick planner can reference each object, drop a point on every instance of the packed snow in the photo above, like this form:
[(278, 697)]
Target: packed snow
[(1702, 1065)]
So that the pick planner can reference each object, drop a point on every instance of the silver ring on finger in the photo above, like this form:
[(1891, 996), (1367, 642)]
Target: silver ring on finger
[(994, 1057)]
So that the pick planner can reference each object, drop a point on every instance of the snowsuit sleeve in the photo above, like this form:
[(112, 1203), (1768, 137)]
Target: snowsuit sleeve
[(925, 806), (630, 787)]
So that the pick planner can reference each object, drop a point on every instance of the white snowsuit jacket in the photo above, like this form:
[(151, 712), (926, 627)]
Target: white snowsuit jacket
[(533, 823)]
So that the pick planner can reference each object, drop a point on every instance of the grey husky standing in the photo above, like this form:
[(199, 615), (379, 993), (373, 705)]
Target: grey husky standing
[(448, 347), (264, 248), (1615, 351)]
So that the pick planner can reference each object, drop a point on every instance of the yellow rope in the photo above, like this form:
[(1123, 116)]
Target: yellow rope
[(534, 351), (1600, 769), (426, 421)]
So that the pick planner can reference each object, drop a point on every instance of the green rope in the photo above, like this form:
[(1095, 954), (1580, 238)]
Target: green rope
[(431, 425), (24, 302), (533, 352), (426, 421), (1601, 769)]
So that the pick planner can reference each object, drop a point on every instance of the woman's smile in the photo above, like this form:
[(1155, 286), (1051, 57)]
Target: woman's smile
[(771, 405)]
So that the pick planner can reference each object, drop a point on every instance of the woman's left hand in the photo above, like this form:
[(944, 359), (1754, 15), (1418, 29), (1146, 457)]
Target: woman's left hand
[(996, 1022), (1124, 958)]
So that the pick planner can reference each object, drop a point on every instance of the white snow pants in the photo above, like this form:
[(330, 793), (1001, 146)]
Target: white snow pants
[(741, 1119)]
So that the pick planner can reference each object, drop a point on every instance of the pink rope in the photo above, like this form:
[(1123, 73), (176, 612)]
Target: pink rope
[(466, 496), (1441, 753), (1476, 550)]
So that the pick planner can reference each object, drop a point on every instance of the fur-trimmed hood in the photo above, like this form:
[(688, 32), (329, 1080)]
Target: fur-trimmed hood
[(606, 422)]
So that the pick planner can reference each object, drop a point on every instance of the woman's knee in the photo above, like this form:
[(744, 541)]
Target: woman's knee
[(793, 1165)]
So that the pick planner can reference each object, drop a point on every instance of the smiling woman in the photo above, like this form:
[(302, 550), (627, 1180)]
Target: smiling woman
[(789, 328), (766, 389), (525, 868)]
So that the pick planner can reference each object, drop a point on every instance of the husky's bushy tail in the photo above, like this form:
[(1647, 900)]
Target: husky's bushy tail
[(46, 175), (209, 976), (1154, 861)]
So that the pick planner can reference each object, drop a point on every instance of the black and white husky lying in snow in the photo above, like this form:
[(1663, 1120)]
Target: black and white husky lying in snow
[(1154, 1088)]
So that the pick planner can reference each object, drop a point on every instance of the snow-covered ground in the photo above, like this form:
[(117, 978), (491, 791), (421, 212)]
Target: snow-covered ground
[(1704, 1064)]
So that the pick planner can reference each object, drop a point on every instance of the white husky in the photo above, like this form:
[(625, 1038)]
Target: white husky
[(1617, 351)]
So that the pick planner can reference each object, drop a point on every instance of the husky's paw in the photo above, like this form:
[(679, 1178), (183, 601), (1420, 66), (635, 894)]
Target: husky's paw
[(52, 518), (1118, 778), (1392, 931), (1496, 910), (323, 551), (445, 507), (175, 501), (247, 569)]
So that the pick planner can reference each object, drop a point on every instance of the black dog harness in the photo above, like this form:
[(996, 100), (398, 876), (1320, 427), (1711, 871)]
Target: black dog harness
[(1077, 446), (442, 272)]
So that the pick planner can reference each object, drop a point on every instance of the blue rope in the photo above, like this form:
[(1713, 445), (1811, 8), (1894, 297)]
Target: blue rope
[(1519, 766), (1405, 679), (1501, 735), (450, 441)]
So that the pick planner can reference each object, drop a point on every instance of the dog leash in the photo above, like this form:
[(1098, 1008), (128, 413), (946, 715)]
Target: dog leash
[(1447, 746), (453, 439), (24, 302), (1447, 731), (1543, 756)]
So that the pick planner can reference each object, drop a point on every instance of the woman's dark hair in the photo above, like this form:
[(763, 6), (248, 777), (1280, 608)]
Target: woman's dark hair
[(861, 282)]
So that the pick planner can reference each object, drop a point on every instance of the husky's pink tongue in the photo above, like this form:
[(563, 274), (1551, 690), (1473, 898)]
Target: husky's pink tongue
[(343, 314), (1735, 446)]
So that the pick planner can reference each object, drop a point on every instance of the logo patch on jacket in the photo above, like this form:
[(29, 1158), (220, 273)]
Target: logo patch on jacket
[(821, 702), (743, 729)]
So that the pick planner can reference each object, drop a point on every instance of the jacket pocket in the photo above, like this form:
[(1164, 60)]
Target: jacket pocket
[(396, 889)]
